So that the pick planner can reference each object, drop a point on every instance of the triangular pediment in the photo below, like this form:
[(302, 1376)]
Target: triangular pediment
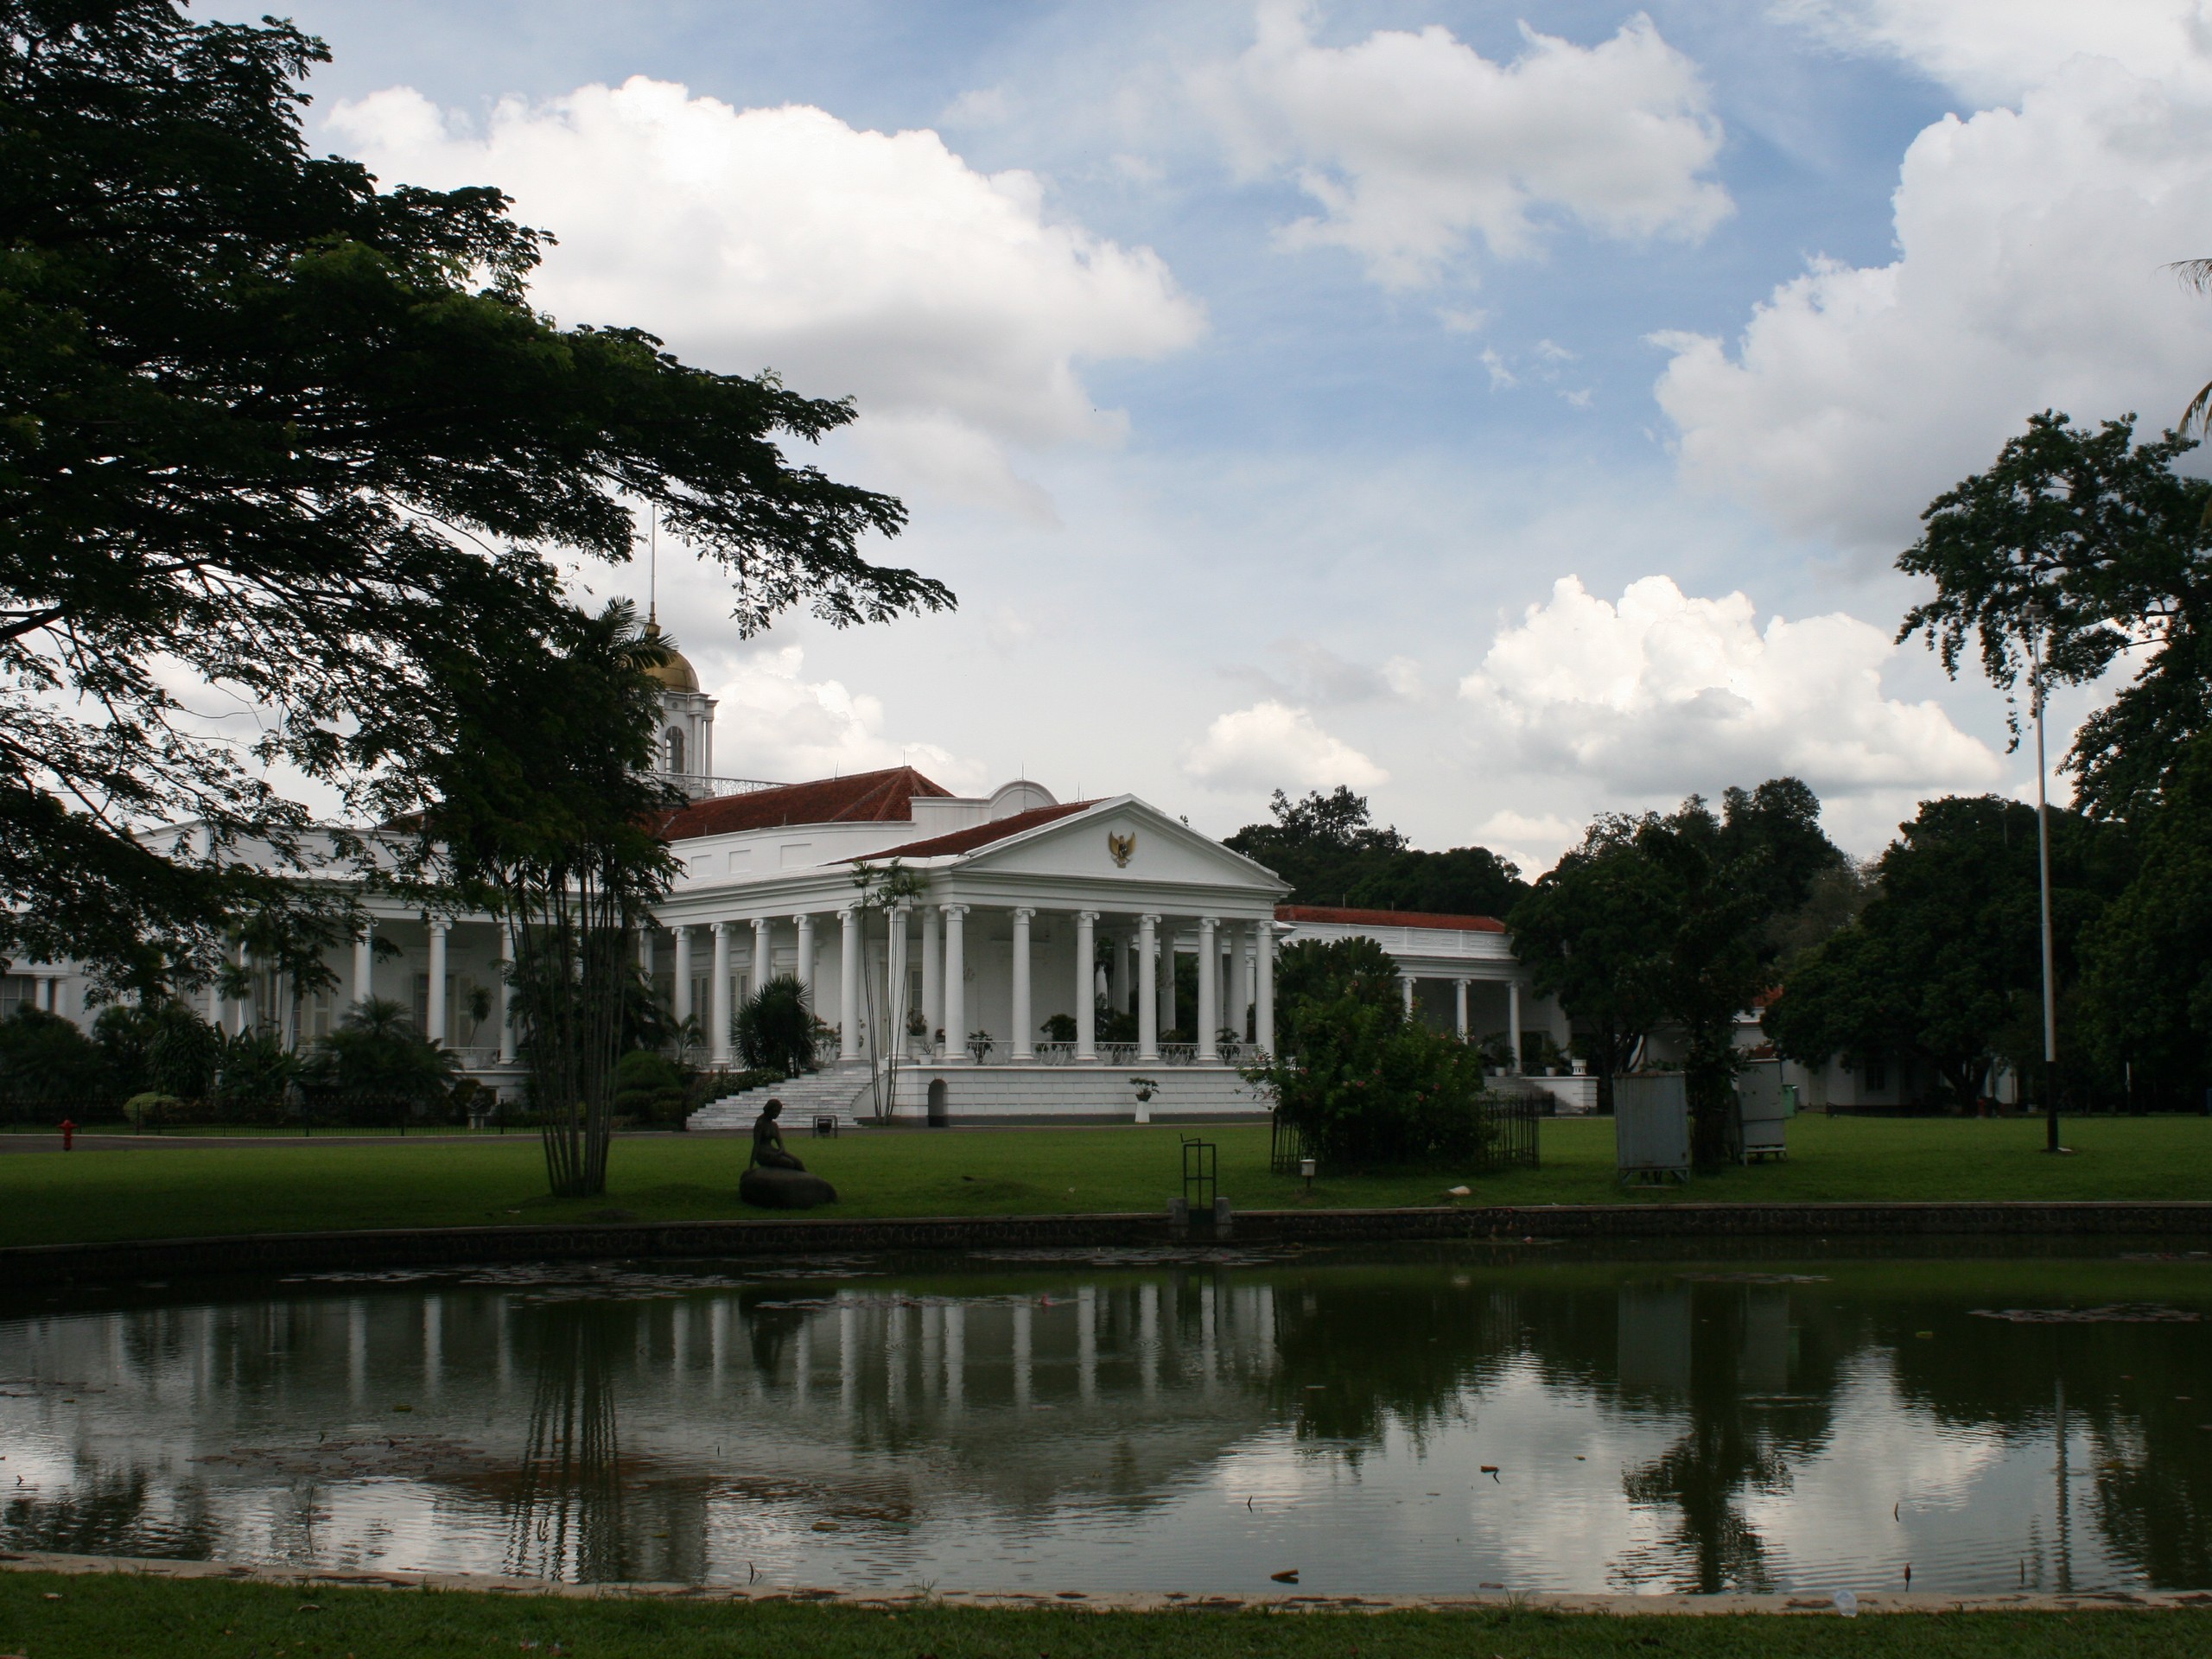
[(1123, 839)]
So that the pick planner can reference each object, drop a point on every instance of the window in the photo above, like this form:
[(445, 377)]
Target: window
[(1876, 1074), (675, 749)]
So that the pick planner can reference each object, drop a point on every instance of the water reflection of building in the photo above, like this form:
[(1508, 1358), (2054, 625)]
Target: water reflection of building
[(611, 1438), (1742, 1429)]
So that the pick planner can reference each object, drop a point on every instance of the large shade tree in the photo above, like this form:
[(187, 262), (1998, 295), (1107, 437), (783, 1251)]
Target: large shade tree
[(1332, 852), (273, 436), (545, 813), (1942, 967), (2149, 957), (2075, 553), (1671, 921)]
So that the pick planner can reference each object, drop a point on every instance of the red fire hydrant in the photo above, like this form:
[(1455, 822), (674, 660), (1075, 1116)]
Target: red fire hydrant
[(68, 1133)]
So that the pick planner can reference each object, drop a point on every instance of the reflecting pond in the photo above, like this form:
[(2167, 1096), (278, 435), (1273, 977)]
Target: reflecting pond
[(1433, 1421)]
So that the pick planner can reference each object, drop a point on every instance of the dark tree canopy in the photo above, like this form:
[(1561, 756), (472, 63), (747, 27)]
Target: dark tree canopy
[(2149, 958), (267, 424), (2091, 546), (1943, 966), (1328, 847), (1671, 920)]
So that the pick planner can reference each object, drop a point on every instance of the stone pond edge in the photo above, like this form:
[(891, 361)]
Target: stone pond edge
[(26, 1267), (1285, 1601)]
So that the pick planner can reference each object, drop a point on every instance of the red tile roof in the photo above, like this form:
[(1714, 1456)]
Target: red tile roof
[(983, 835), (884, 797), (1388, 918)]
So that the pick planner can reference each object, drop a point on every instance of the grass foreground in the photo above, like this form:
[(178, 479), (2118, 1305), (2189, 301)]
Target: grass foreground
[(209, 1187), (52, 1615)]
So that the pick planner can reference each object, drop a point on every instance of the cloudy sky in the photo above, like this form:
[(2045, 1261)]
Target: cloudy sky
[(1511, 411)]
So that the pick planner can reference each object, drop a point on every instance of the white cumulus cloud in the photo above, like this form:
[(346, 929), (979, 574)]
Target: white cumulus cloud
[(2032, 247), (1993, 50), (1663, 694), (1414, 143), (772, 723), (879, 264), (1274, 746)]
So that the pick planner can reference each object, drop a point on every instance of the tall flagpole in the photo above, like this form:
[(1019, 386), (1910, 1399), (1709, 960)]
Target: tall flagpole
[(2042, 860)]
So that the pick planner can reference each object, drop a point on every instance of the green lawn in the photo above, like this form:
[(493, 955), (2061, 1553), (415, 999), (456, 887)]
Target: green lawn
[(56, 1197), (46, 1616)]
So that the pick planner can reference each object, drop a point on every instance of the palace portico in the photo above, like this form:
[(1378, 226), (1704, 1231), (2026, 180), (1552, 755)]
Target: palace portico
[(1028, 917)]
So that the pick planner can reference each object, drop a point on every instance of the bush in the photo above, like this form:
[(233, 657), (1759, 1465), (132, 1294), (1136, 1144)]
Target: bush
[(1362, 1084), (377, 1064), (648, 1089), (252, 1077), (150, 1110), (47, 1064)]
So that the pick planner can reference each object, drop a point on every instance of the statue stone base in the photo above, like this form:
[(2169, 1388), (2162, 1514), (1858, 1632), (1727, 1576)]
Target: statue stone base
[(768, 1188)]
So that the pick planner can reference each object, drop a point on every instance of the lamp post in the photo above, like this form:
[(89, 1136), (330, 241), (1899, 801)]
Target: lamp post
[(2042, 870)]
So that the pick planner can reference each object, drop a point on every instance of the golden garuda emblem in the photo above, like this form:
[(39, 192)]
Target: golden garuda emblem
[(1121, 846)]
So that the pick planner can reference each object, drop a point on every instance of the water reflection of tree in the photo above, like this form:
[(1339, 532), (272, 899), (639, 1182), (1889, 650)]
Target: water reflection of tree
[(2136, 1392), (1358, 1349), (565, 1518), (1739, 1439), (107, 1514)]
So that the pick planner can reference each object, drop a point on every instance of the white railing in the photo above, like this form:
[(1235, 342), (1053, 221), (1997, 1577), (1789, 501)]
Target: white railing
[(702, 788), (1109, 1055)]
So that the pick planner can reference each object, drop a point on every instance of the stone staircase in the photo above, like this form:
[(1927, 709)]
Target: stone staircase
[(840, 1091)]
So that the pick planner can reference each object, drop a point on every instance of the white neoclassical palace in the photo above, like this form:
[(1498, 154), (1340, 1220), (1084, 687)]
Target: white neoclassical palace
[(976, 994)]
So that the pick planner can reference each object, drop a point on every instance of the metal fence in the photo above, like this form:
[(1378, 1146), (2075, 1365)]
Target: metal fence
[(1508, 1139)]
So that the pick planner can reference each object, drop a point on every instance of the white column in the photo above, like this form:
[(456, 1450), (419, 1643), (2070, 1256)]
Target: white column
[(848, 983), (365, 961), (1406, 988), (1025, 1046), (433, 1016), (1263, 997), (718, 996), (241, 1010), (1148, 992), (933, 971), (803, 966), (894, 976), (1163, 983), (645, 951), (1513, 1021), (1460, 998), (680, 1004), (1209, 1015), (956, 985), (507, 994), (1086, 997), (764, 947)]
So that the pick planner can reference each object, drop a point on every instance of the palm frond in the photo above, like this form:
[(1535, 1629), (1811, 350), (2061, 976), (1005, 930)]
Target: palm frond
[(2197, 273)]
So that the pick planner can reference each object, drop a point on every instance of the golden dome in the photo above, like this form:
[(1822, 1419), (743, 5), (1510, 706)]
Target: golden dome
[(673, 672)]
